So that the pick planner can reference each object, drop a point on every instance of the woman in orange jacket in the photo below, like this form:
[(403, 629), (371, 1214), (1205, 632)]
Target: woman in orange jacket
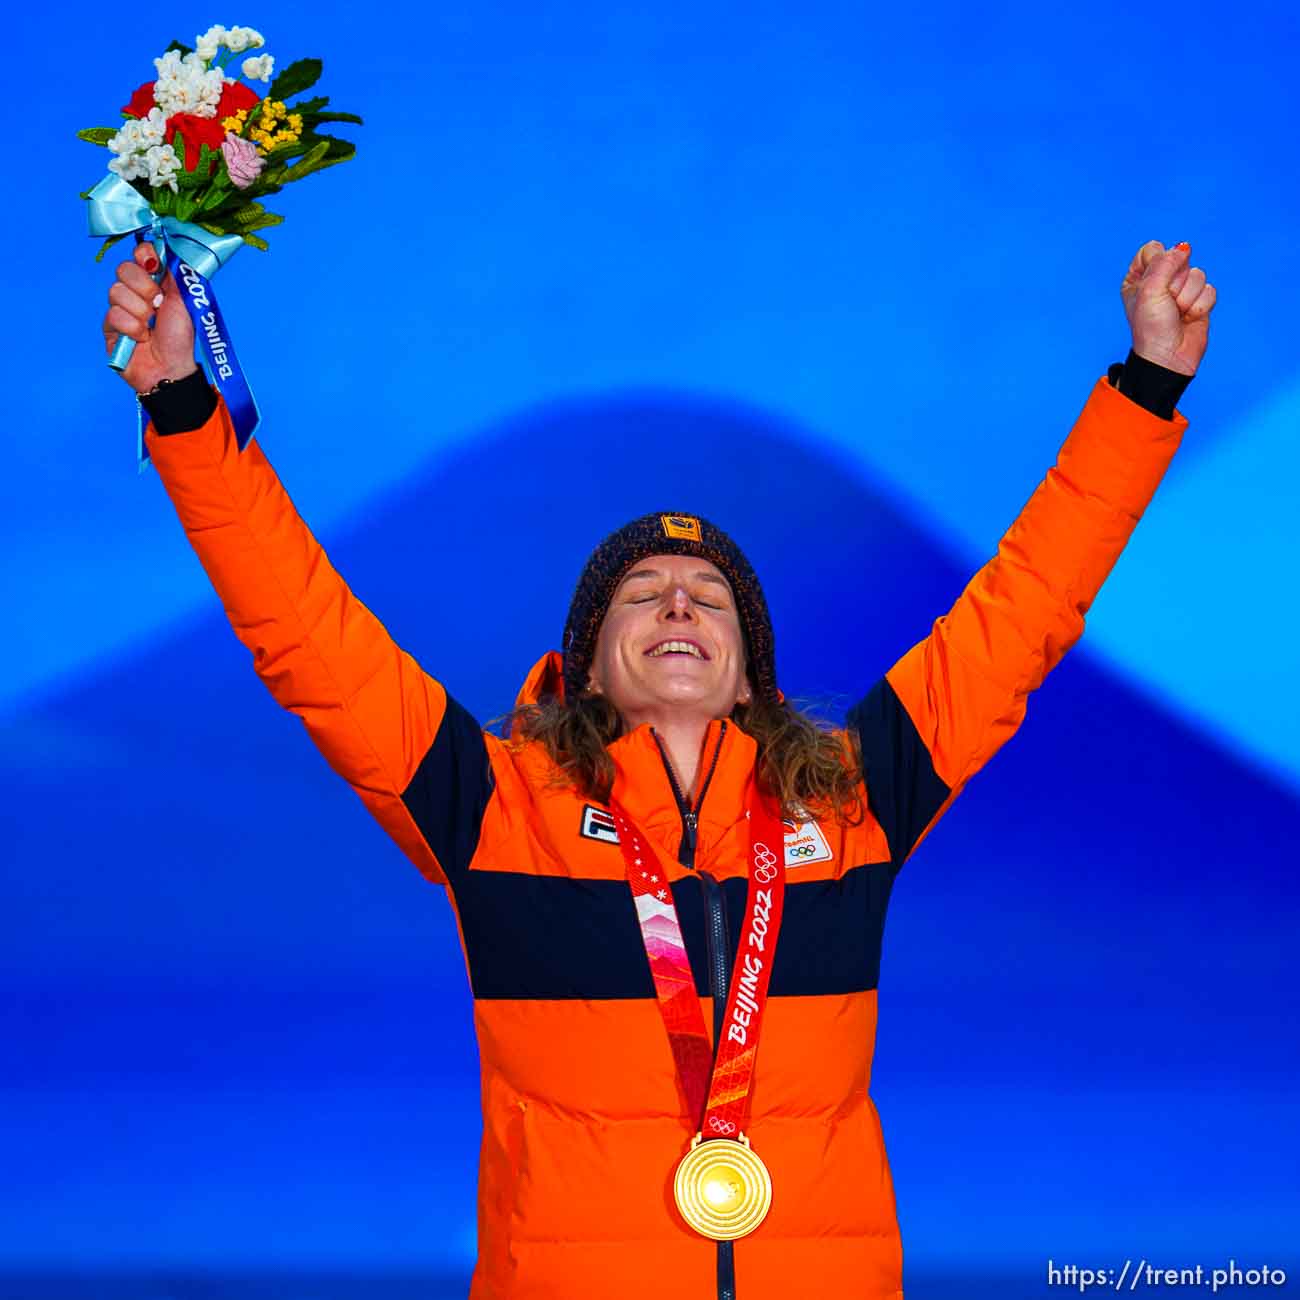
[(670, 886)]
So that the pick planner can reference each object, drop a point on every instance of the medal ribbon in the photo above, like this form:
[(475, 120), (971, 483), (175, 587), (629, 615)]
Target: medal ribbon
[(670, 968)]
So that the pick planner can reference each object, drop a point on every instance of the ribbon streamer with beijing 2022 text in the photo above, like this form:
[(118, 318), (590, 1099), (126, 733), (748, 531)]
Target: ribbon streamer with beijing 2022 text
[(192, 255)]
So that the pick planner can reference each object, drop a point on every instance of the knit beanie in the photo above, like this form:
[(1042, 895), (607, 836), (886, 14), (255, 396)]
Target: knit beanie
[(666, 534)]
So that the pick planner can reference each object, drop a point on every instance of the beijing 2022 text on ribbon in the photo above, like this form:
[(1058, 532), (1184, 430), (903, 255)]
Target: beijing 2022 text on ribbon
[(198, 149), (115, 208)]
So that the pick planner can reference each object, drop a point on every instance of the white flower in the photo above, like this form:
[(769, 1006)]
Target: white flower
[(210, 42), (139, 134), (238, 39), (127, 140), (169, 65), (162, 164), (258, 68), (186, 85), (129, 166), (152, 127), (141, 151)]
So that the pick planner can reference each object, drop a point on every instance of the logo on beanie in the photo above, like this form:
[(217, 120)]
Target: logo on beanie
[(684, 526)]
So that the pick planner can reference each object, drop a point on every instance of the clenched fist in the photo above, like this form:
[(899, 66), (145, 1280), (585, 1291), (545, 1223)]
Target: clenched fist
[(1168, 306), (167, 350)]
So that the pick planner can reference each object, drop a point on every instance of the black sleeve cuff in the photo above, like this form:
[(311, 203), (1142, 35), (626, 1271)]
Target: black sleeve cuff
[(182, 406), (1149, 385)]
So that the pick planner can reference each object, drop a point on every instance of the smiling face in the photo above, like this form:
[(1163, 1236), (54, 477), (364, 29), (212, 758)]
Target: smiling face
[(671, 640)]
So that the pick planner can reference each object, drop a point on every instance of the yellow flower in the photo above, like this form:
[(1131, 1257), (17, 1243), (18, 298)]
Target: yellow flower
[(295, 122), (235, 124)]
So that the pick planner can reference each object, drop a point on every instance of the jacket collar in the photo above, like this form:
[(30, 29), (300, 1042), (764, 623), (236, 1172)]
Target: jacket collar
[(643, 787), (641, 782)]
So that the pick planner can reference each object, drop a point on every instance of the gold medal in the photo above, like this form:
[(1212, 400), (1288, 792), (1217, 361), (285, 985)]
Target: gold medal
[(722, 1188)]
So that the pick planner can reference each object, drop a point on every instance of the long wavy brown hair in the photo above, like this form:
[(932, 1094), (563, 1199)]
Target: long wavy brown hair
[(802, 761)]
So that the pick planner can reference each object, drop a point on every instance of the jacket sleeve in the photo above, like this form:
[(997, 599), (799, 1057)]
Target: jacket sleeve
[(417, 760), (949, 704)]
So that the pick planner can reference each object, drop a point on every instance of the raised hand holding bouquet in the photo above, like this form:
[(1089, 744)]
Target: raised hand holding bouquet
[(198, 150)]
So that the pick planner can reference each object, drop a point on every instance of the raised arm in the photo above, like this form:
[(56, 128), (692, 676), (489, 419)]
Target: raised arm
[(949, 704), (416, 758)]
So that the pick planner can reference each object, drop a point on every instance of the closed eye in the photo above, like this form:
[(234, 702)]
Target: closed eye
[(658, 595)]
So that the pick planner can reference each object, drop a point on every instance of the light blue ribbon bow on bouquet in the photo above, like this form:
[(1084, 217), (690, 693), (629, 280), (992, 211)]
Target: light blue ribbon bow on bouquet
[(192, 255)]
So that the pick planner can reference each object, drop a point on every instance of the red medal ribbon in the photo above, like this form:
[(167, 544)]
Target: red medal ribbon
[(733, 1067), (679, 1004)]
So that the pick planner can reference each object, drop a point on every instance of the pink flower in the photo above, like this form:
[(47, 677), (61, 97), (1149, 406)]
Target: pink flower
[(243, 162)]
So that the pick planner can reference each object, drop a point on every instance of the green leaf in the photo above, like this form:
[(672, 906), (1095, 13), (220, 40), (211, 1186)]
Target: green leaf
[(256, 243), (213, 199), (180, 48), (218, 214), (331, 117), (202, 175), (308, 161), (251, 216), (334, 151), (107, 244), (309, 105), (281, 152), (97, 134), (196, 179), (300, 75), (339, 151), (266, 219)]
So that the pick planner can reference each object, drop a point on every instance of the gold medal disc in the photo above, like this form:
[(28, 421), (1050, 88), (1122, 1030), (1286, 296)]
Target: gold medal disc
[(722, 1188)]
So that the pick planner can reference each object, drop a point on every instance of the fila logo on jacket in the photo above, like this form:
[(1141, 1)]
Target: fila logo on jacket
[(804, 841)]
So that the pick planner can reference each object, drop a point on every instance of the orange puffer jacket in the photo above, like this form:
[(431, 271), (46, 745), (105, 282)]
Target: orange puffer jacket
[(583, 1122)]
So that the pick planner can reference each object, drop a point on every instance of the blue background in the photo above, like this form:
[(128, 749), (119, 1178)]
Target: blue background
[(839, 277)]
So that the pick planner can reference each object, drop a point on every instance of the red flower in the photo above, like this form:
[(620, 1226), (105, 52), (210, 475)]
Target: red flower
[(141, 101), (195, 132), (235, 96)]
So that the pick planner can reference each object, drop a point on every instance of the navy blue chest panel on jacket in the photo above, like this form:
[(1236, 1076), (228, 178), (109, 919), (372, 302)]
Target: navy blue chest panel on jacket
[(530, 936), (539, 936)]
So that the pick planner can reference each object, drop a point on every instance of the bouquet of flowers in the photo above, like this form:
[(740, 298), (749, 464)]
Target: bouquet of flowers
[(197, 152)]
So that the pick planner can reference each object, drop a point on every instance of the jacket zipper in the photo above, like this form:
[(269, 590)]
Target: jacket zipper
[(718, 957), (715, 919), (690, 816)]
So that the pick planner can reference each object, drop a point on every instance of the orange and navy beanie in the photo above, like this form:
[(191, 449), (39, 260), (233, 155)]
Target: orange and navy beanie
[(666, 534)]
